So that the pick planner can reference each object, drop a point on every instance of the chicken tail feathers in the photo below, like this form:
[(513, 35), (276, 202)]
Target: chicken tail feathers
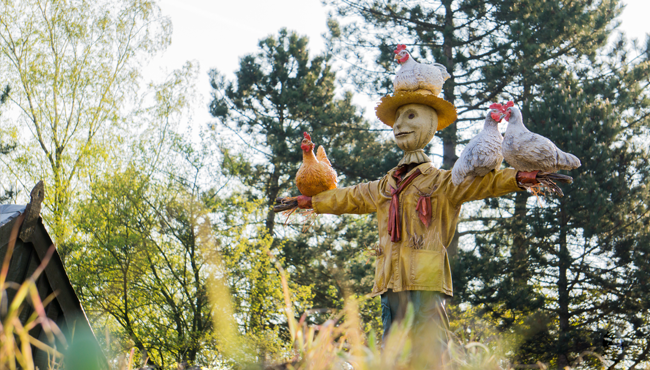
[(321, 156), (443, 71), (567, 161)]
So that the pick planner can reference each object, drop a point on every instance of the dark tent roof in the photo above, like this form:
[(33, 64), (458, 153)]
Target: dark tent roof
[(31, 247)]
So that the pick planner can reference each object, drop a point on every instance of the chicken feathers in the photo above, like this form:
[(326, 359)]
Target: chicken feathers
[(414, 76), (316, 174), (527, 151), (483, 153), (321, 156)]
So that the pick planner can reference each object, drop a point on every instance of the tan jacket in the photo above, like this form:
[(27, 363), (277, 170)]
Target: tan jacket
[(419, 260)]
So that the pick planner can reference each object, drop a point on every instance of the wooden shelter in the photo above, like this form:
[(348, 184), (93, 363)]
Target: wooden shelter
[(31, 247)]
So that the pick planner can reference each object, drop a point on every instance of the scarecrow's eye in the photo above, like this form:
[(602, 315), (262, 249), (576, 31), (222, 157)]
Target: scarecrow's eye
[(411, 116)]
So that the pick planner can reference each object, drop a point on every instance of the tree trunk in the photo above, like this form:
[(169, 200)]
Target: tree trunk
[(272, 194), (519, 251), (448, 135), (564, 261)]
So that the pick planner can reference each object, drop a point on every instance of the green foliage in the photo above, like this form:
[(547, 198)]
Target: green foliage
[(150, 241), (247, 258), (140, 269), (5, 148), (72, 66)]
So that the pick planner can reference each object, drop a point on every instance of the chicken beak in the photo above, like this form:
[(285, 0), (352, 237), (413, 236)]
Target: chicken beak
[(397, 56)]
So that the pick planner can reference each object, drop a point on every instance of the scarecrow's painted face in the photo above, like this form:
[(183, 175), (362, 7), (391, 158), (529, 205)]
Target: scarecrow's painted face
[(415, 125)]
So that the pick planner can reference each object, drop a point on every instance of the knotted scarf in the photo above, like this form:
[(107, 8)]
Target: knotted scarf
[(394, 221)]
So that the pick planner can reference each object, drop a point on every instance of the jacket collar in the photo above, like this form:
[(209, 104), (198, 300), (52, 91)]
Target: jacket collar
[(426, 168)]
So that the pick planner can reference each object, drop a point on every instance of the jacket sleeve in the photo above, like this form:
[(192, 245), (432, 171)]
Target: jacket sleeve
[(494, 184), (358, 199)]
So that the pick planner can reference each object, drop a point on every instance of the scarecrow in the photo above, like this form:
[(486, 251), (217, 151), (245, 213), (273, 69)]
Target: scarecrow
[(417, 204)]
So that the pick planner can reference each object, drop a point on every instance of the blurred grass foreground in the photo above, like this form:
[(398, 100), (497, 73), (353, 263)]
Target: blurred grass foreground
[(341, 343)]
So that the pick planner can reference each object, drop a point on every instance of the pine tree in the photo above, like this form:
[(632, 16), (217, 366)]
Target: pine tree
[(585, 254)]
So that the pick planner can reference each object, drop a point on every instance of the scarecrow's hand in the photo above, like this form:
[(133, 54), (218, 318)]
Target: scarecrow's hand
[(535, 177), (288, 203), (527, 177), (530, 180), (304, 202)]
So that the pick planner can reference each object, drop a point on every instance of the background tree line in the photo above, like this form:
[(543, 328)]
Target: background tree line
[(140, 210)]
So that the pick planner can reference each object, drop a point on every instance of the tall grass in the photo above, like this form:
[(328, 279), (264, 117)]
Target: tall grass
[(341, 344)]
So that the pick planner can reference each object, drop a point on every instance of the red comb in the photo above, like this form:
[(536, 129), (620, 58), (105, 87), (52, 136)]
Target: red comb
[(400, 47), (502, 107), (306, 135), (497, 106)]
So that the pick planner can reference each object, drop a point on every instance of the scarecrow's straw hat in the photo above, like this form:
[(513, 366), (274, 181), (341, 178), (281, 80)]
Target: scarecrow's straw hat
[(388, 105)]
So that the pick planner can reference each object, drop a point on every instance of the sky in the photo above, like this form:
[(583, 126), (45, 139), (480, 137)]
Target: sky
[(217, 33)]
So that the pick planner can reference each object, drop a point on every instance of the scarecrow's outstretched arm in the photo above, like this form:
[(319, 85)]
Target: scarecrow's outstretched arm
[(359, 199)]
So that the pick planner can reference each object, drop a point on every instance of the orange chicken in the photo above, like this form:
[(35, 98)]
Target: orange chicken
[(316, 173), (314, 176)]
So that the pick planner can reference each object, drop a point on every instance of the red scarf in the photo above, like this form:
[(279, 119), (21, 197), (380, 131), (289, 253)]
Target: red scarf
[(394, 221), (424, 209)]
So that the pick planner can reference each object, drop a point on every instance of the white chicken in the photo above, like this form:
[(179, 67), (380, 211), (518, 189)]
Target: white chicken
[(528, 151), (415, 76), (483, 153)]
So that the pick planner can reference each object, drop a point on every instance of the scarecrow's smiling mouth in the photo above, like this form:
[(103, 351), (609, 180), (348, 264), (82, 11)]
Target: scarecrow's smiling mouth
[(403, 133)]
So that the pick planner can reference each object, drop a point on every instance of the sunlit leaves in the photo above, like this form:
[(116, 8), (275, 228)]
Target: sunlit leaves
[(73, 67)]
